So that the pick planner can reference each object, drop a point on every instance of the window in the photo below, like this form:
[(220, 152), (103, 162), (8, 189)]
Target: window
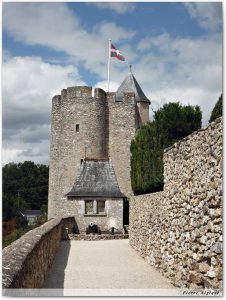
[(77, 127), (100, 207), (95, 207), (89, 207), (81, 160)]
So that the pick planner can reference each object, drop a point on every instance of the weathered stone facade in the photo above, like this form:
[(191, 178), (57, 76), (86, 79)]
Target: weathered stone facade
[(26, 261), (123, 118), (179, 230), (76, 207), (91, 127), (75, 107)]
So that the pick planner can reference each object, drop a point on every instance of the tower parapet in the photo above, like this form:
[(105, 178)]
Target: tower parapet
[(101, 126), (78, 130)]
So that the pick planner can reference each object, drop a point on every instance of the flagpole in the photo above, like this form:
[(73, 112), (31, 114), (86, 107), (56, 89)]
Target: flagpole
[(109, 58)]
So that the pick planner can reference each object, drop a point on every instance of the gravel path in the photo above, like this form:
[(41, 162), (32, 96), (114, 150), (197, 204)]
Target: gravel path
[(110, 264)]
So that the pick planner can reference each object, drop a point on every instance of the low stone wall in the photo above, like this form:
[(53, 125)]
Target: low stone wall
[(26, 261), (179, 230), (97, 237)]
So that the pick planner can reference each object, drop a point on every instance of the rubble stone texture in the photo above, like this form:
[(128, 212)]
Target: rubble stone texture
[(179, 230)]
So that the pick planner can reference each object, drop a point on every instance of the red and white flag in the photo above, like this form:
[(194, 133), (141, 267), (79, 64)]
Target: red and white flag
[(116, 53), (113, 52)]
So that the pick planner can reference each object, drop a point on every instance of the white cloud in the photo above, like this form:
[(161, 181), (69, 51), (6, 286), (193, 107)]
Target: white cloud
[(207, 14), (118, 7), (28, 86), (54, 25), (113, 85), (168, 68), (187, 96), (188, 70)]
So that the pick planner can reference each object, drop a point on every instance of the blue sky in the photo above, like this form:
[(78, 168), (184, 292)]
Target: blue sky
[(175, 50)]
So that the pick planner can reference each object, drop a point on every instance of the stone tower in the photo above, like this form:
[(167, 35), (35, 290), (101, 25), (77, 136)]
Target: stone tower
[(99, 127)]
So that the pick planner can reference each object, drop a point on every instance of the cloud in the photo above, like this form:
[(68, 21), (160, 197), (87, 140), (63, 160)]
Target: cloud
[(168, 68), (208, 15), (55, 26), (118, 7), (188, 70), (28, 87), (113, 85)]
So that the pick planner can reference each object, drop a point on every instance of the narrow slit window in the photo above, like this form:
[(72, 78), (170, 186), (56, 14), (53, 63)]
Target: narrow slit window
[(81, 161), (77, 127)]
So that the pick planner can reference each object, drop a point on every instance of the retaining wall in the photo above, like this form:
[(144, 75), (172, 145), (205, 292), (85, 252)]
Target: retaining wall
[(26, 261), (179, 230)]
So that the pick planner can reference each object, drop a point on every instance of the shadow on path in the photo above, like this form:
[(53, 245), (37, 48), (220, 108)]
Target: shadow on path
[(58, 269)]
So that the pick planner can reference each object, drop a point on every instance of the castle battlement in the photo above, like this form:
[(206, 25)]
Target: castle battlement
[(99, 124)]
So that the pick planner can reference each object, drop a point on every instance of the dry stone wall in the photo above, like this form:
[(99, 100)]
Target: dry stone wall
[(27, 260), (179, 230)]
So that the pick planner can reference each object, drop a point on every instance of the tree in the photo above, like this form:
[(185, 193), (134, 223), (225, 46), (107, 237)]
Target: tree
[(25, 186), (217, 110), (171, 123)]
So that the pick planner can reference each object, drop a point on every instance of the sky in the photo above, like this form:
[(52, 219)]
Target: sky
[(175, 50)]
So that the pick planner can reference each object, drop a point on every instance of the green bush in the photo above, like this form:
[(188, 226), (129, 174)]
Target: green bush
[(16, 234), (171, 123), (217, 110)]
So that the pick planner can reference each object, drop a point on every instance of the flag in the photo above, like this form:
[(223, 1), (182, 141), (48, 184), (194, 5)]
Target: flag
[(115, 53)]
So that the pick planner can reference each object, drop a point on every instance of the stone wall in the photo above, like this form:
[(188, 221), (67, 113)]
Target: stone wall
[(27, 260), (69, 145), (122, 129), (76, 207), (106, 129), (179, 230)]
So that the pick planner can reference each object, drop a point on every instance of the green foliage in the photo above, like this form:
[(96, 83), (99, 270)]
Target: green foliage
[(175, 121), (217, 110), (24, 228), (25, 186), (171, 123), (41, 219), (16, 234)]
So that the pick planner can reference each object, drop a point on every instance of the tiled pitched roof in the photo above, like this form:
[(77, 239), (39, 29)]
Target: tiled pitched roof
[(130, 85), (97, 179)]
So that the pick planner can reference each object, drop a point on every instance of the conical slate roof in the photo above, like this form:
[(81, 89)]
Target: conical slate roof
[(97, 179), (130, 85)]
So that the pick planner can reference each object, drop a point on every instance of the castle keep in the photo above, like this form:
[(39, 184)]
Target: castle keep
[(90, 151)]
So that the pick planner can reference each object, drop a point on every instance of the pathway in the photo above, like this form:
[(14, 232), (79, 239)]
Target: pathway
[(109, 267)]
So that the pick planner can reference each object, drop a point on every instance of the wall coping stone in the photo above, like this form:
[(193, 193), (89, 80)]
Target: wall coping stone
[(154, 194), (15, 255), (177, 144)]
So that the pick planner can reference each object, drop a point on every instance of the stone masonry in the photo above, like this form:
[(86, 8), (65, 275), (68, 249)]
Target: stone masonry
[(122, 129), (112, 218), (26, 261), (179, 230), (99, 127)]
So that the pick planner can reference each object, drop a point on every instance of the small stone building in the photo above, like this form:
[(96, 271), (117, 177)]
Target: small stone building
[(96, 196)]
